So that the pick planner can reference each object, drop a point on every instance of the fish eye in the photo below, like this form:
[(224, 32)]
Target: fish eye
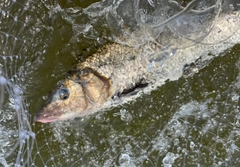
[(63, 94)]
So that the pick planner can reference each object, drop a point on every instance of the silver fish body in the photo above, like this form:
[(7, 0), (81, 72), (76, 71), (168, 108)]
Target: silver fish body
[(119, 69)]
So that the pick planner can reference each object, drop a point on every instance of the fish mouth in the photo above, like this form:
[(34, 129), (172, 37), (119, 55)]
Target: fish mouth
[(41, 118), (47, 115), (83, 96)]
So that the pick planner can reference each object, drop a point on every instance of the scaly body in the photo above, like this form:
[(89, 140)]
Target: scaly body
[(117, 69)]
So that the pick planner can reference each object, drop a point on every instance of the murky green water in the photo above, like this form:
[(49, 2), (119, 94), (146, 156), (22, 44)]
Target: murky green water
[(144, 134), (192, 121)]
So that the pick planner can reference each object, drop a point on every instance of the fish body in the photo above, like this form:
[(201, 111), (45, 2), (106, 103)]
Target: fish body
[(116, 69)]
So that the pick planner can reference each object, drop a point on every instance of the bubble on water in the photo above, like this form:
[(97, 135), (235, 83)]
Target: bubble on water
[(28, 63), (235, 98), (125, 115), (192, 145), (169, 159), (125, 160), (176, 141)]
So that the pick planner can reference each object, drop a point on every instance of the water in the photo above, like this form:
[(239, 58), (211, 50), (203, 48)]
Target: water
[(192, 121)]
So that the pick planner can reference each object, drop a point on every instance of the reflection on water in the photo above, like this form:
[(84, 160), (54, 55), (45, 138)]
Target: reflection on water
[(192, 121)]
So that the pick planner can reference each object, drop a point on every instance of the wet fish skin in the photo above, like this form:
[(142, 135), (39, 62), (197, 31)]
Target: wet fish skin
[(85, 92), (94, 82), (116, 68)]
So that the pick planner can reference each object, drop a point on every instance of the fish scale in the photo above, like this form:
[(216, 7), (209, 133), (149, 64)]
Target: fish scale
[(121, 69)]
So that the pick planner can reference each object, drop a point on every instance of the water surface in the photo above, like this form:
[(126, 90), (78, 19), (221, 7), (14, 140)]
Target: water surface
[(192, 121)]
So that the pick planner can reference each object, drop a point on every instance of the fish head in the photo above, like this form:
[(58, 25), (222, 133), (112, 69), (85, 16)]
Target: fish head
[(77, 96)]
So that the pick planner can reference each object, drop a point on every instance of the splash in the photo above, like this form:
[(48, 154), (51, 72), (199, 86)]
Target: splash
[(188, 121)]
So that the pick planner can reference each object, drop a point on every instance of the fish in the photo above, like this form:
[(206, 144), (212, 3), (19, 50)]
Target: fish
[(117, 72)]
